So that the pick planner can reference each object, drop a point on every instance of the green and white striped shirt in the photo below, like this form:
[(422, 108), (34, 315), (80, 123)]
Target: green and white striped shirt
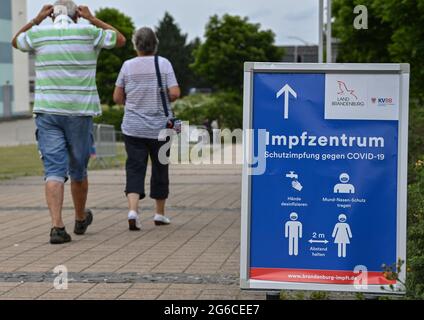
[(65, 65)]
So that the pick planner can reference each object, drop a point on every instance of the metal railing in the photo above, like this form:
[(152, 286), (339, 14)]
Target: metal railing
[(104, 144)]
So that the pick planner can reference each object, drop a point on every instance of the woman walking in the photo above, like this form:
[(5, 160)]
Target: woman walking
[(145, 117)]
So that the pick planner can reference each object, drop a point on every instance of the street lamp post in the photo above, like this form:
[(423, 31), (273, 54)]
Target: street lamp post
[(320, 32), (329, 33)]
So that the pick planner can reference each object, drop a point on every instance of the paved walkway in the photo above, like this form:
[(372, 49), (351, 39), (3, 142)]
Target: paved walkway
[(197, 257)]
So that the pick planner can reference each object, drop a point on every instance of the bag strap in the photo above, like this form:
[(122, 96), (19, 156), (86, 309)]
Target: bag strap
[(161, 88)]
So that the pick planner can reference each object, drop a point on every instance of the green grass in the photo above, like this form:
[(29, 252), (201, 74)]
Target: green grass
[(20, 161), (110, 163), (24, 161)]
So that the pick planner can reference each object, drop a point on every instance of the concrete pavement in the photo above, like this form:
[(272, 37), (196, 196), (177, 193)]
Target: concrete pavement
[(197, 257)]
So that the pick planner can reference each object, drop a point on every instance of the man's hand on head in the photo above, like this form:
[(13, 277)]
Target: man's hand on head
[(46, 11), (84, 12)]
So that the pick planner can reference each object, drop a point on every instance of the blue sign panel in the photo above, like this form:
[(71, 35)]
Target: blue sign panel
[(327, 202)]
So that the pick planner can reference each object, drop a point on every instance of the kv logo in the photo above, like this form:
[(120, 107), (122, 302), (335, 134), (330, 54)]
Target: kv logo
[(286, 91), (61, 281)]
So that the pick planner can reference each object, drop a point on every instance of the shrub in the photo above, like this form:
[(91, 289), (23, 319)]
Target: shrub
[(415, 252), (319, 295), (193, 108), (112, 116), (225, 107), (416, 137)]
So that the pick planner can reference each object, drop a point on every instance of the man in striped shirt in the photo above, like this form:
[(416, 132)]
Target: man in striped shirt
[(66, 100)]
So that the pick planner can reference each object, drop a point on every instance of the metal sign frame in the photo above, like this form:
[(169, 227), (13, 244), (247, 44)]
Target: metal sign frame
[(250, 68)]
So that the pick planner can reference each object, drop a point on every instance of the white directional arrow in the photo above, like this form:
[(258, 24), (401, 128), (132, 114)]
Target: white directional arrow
[(287, 90), (318, 241)]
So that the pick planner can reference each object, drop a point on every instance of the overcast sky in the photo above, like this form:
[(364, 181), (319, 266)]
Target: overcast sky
[(287, 18)]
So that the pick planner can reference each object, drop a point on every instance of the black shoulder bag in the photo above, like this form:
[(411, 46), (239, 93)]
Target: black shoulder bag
[(172, 123)]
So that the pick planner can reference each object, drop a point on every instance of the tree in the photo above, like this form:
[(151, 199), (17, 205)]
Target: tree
[(195, 80), (110, 61), (361, 45), (407, 41), (230, 41), (395, 34), (173, 46), (225, 107)]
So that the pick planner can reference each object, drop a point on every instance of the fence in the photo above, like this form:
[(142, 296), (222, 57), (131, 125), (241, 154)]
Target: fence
[(104, 143)]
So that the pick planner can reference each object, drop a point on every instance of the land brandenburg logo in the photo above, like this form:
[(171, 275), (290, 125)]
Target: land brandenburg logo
[(347, 96)]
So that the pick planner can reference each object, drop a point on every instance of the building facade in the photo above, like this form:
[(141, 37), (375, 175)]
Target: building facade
[(303, 54), (308, 53), (14, 65)]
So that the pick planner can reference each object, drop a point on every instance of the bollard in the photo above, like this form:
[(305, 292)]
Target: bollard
[(7, 91), (273, 295)]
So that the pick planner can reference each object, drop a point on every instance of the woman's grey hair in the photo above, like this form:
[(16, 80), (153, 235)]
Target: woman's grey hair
[(146, 41), (70, 6)]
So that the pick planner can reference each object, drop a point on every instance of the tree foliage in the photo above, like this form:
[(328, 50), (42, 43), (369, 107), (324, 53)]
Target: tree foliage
[(361, 45), (110, 61), (173, 45), (415, 254), (407, 41), (225, 107), (395, 34), (231, 41)]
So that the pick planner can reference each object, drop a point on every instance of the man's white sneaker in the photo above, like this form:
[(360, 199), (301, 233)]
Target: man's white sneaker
[(161, 220), (134, 221)]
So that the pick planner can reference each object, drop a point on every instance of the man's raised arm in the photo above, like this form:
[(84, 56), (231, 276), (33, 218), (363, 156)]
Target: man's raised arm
[(84, 12), (45, 12)]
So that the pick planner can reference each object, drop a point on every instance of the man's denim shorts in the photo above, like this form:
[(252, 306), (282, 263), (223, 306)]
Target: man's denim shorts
[(64, 143)]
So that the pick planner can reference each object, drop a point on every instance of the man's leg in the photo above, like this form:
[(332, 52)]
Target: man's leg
[(54, 196), (52, 147), (79, 192), (79, 132)]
